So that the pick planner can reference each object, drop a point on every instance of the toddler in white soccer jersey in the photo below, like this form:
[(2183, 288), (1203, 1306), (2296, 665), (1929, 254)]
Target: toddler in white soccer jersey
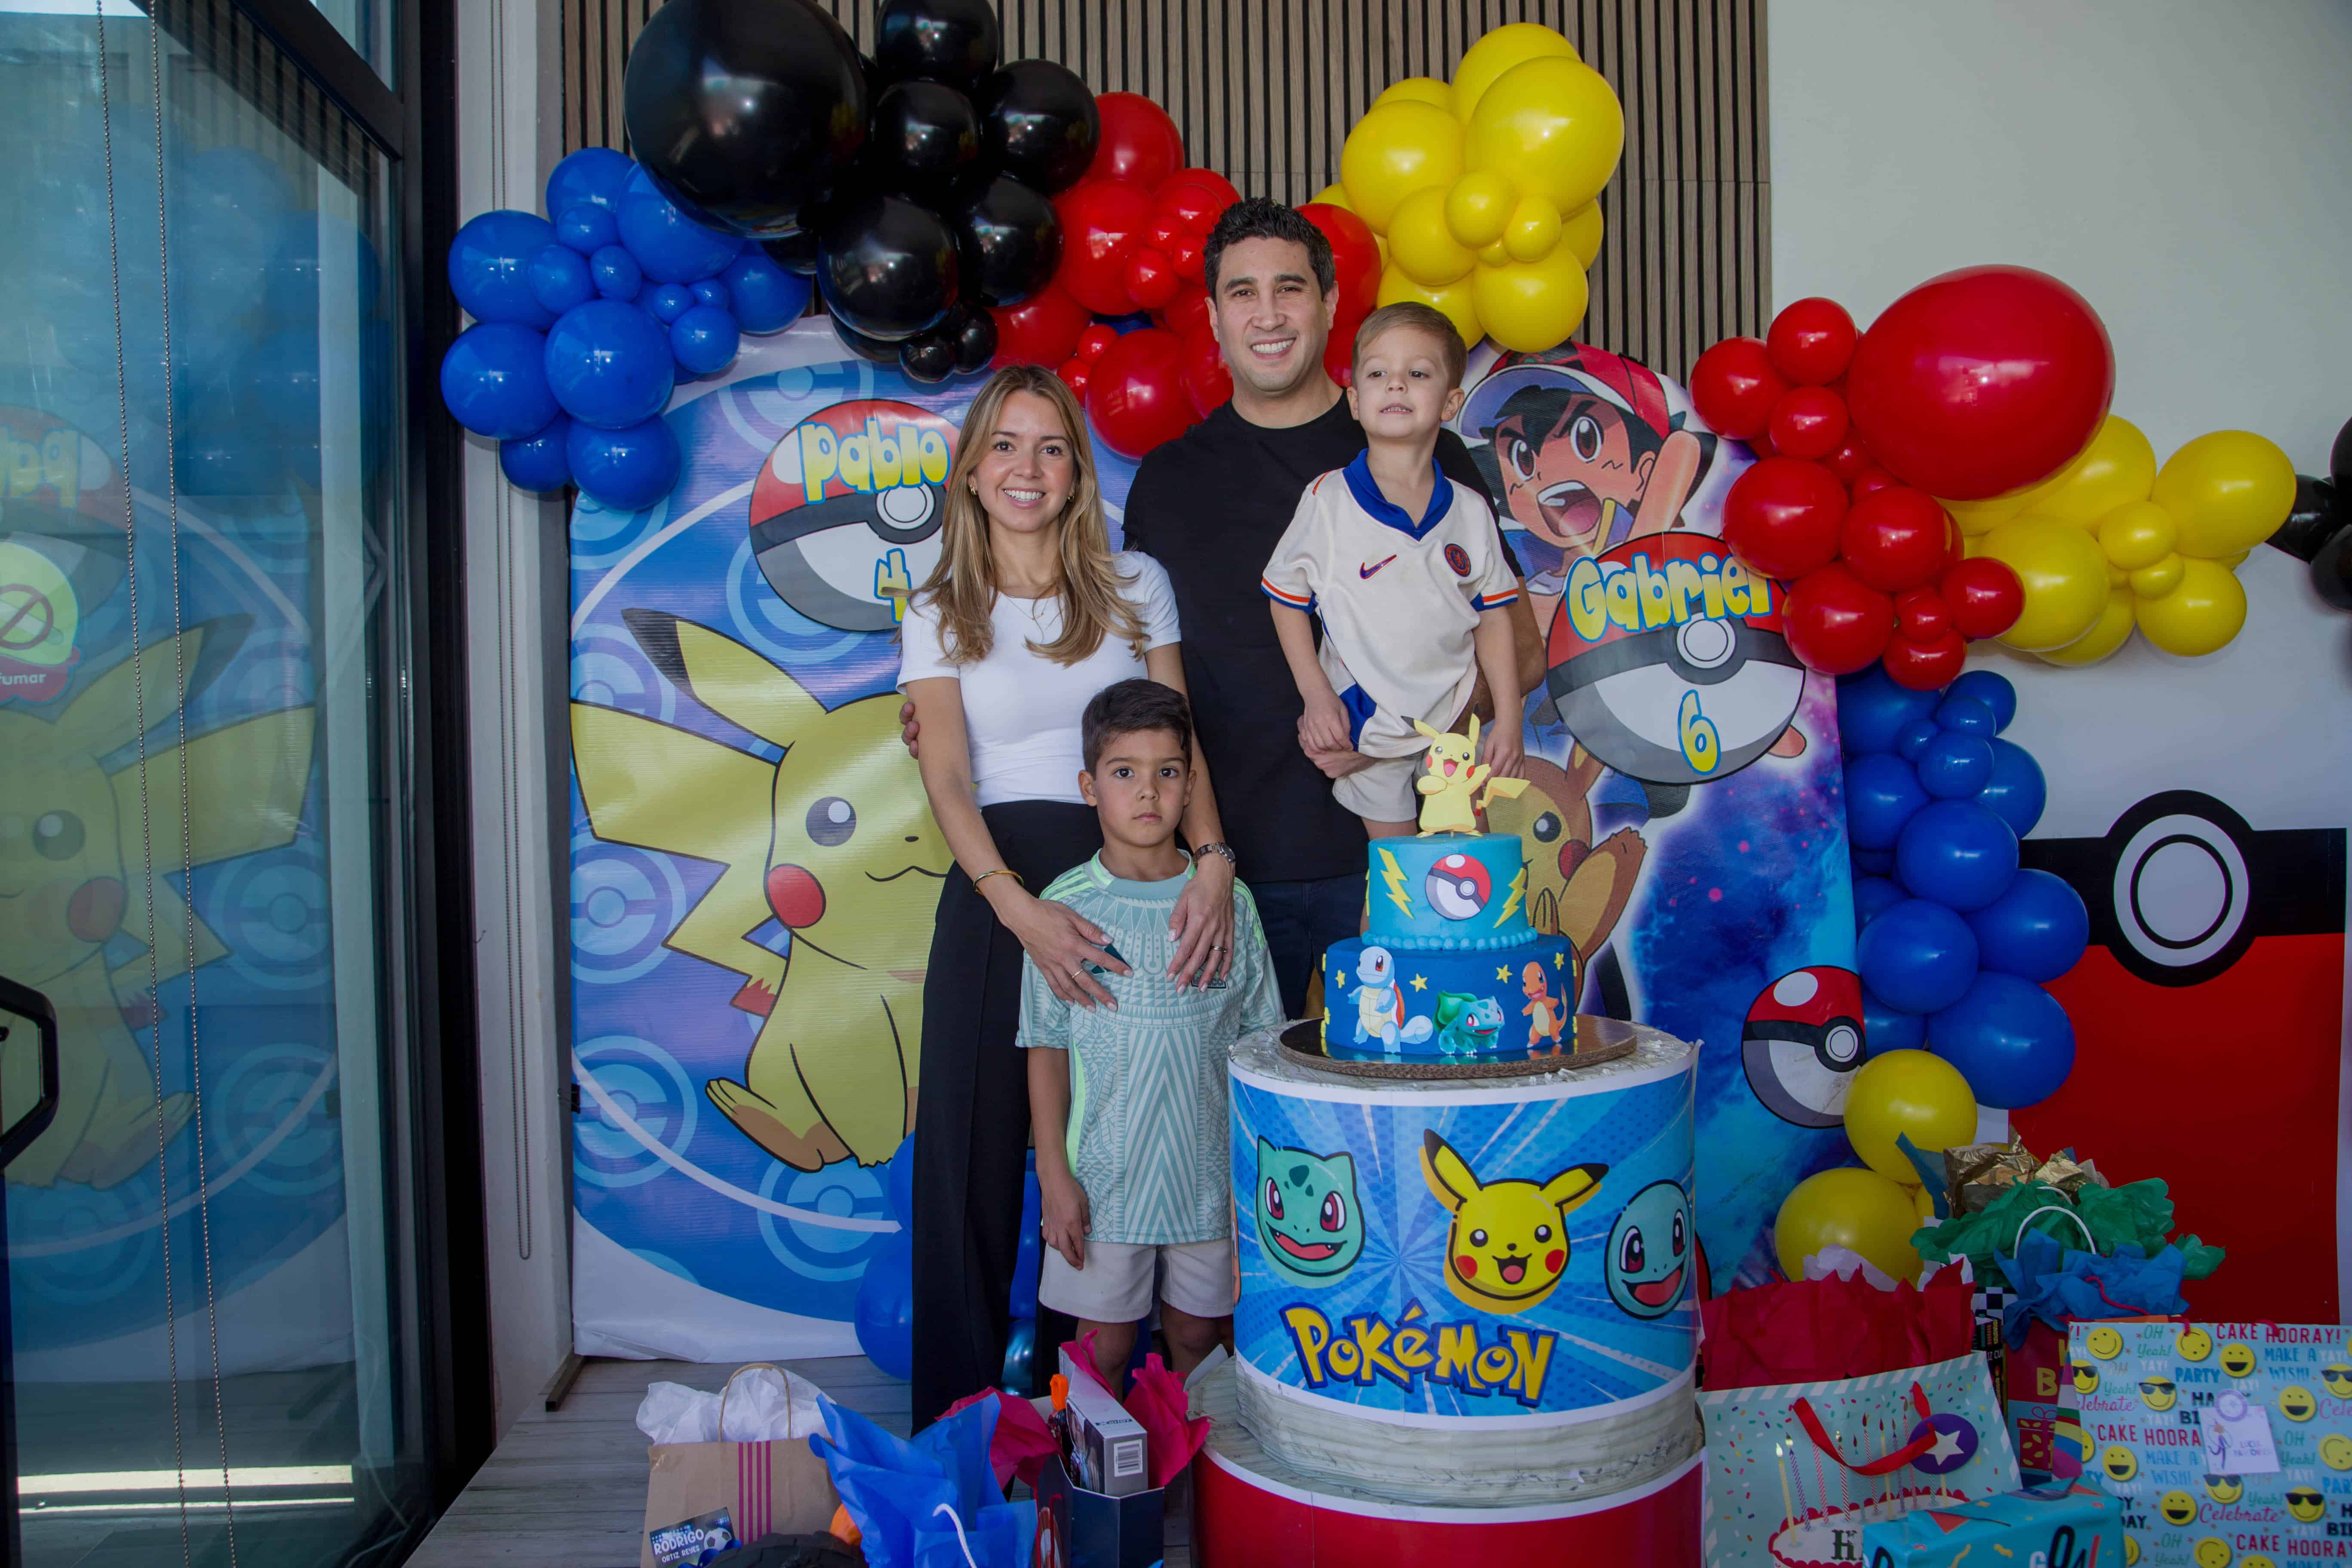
[(1403, 568)]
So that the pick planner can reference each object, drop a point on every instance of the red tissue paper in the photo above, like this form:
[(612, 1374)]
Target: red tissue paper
[(1021, 1441), (1159, 1404), (1819, 1330)]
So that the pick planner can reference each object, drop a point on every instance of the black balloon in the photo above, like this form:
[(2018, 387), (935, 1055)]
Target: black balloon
[(2331, 570), (2339, 458), (2312, 520), (1038, 123), (924, 139), (887, 267), (794, 251), (930, 357), (744, 112), (975, 342), (952, 41), (1012, 241), (866, 348)]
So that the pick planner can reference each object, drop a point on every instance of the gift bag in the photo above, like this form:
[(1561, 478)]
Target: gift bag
[(702, 1498), (1795, 1471)]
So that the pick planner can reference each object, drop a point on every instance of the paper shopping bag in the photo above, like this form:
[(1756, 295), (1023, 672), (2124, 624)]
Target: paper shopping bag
[(1794, 1471), (702, 1498)]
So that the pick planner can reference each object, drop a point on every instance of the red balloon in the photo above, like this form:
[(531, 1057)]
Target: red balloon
[(1808, 422), (1135, 397), (1188, 258), (1210, 194), (1355, 257), (1981, 381), (1920, 615), (1041, 330), (1783, 517), (1811, 341), (1851, 458), (1835, 622), (1207, 382), (1102, 222), (1140, 141), (1074, 375), (1760, 445), (1734, 387), (1869, 482), (1924, 667), (1189, 308), (1984, 595), (1095, 340), (1896, 539), (1151, 277)]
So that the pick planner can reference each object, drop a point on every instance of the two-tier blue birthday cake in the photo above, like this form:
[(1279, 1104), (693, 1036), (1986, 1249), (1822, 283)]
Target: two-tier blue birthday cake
[(1449, 968)]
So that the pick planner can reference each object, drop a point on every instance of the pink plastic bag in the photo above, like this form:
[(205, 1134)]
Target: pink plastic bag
[(1021, 1441)]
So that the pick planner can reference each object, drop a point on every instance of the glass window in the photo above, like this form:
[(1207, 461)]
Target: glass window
[(209, 1252)]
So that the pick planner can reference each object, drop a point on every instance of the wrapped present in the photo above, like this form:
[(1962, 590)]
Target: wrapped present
[(2070, 1526), (1816, 1330)]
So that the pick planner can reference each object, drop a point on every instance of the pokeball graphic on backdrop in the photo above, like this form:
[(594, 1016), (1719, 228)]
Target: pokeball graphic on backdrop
[(1458, 887), (1667, 660), (1803, 1042), (845, 512)]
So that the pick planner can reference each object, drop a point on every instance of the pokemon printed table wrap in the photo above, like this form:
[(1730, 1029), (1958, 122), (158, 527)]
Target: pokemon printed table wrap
[(2230, 1445), (1468, 1291)]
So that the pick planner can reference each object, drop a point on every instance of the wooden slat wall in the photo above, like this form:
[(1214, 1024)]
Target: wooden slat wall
[(1266, 90)]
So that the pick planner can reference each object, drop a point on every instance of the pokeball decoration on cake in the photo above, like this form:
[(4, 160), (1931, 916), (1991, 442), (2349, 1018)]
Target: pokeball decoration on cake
[(1458, 887), (845, 512)]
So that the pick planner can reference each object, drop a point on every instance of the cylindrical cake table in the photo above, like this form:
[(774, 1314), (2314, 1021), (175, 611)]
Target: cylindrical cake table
[(1471, 1294)]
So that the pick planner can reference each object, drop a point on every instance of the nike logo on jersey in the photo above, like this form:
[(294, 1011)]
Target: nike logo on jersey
[(1367, 570)]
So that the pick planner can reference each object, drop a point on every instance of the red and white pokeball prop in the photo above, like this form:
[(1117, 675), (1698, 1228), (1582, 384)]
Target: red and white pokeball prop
[(1458, 887), (1803, 1042)]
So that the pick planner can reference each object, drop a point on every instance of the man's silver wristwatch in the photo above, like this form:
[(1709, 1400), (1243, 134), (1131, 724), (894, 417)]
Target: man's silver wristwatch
[(1225, 849)]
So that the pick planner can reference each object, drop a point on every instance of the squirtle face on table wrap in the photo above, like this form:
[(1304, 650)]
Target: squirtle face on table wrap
[(1648, 1264), (1310, 1225)]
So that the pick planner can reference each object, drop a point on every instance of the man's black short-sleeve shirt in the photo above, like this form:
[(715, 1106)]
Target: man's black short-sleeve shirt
[(1210, 505)]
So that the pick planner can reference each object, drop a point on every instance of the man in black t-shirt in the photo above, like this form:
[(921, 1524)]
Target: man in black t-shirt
[(1210, 505)]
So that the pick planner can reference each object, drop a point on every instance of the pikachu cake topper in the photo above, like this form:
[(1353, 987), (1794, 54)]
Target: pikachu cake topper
[(1450, 780)]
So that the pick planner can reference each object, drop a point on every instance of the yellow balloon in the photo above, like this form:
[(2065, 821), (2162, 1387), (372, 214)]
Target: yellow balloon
[(1580, 232), (1534, 230), (2110, 632), (1334, 194), (2118, 465), (1554, 126), (1418, 90), (1849, 1207), (1531, 305), (1911, 1094), (2158, 577), (1396, 149), (1421, 244), (1496, 255), (1478, 207), (2199, 616), (1452, 300), (1976, 517), (2065, 578), (2230, 490), (1514, 44), (1923, 1203), (2137, 533)]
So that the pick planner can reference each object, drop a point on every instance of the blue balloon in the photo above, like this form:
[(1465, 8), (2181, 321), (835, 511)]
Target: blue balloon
[(539, 462), (623, 470), (1956, 853), (669, 301), (1020, 1357), (1873, 709), (609, 364), (712, 292), (767, 298), (489, 263), (2009, 1038), (884, 1311), (704, 340), (1914, 738), (2036, 931), (2016, 793), (616, 272), (593, 176), (1954, 765), (1873, 862), (1031, 1253), (898, 1183), (1881, 794), (671, 246), (1873, 897), (494, 379), (1989, 688), (1886, 1028), (1919, 957), (588, 229), (559, 279), (1966, 715)]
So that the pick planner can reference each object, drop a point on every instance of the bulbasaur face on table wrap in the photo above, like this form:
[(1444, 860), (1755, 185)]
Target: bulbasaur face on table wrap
[(1461, 1253)]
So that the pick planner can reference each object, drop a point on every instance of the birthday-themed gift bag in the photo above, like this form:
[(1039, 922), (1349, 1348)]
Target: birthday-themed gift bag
[(1795, 1471)]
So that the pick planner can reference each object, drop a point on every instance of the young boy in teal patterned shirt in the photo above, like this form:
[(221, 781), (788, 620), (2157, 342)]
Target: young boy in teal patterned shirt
[(1128, 1102)]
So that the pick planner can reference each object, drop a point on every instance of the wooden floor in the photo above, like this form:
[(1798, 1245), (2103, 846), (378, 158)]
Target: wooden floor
[(568, 1486)]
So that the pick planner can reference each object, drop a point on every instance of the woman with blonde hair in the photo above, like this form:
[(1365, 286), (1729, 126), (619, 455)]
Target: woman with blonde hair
[(1028, 615)]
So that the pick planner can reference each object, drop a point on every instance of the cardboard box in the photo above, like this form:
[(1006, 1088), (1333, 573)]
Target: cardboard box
[(1111, 1447), (2057, 1527), (1082, 1529)]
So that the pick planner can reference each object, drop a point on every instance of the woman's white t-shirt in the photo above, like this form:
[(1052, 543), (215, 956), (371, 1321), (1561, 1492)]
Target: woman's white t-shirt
[(1021, 710)]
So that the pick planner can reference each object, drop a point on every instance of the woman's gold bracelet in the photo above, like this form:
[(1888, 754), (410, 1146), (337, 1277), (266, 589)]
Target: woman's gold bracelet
[(999, 872)]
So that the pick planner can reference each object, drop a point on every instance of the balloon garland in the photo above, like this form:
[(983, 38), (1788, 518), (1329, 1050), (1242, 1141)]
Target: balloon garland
[(2318, 526)]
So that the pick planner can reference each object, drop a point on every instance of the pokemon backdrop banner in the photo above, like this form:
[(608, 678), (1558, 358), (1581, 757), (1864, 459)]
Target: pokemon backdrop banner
[(247, 929), (754, 872)]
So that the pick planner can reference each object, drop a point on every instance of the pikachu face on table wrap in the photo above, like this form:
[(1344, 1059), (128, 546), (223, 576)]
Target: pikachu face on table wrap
[(1450, 780), (1508, 1246)]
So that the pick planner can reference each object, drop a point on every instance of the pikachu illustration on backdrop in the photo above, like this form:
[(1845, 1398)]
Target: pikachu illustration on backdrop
[(74, 843), (835, 844), (1576, 888)]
